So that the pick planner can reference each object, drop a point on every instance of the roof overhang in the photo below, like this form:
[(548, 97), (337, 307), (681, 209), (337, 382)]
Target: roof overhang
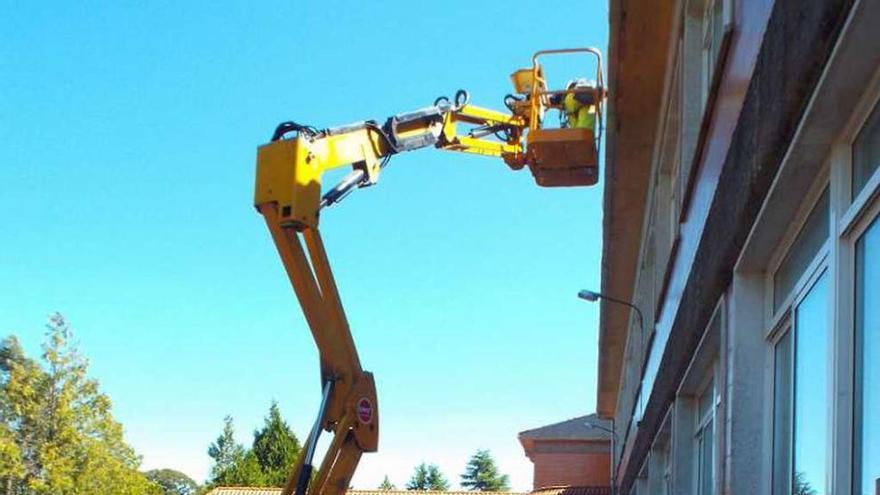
[(637, 57)]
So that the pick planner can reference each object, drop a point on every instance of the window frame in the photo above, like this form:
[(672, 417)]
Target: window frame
[(854, 209), (709, 83), (775, 316), (782, 215), (702, 425), (712, 43), (707, 365), (784, 329), (787, 325), (852, 217)]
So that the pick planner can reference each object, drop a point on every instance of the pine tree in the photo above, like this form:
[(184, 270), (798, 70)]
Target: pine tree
[(419, 479), (427, 477), (275, 447), (387, 484), (58, 435), (436, 480), (267, 463), (227, 454), (481, 474)]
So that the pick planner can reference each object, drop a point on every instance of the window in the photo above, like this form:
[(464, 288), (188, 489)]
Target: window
[(866, 152), (713, 31), (666, 488), (803, 250), (704, 440), (801, 400), (660, 472), (695, 433), (642, 487), (817, 381), (782, 403), (866, 447)]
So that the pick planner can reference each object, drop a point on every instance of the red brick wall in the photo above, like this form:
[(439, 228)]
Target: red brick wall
[(578, 469)]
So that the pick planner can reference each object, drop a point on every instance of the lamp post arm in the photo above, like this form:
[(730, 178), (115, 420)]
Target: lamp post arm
[(629, 304)]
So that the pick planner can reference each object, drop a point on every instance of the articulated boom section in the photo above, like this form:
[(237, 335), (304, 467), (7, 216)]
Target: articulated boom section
[(289, 196), (289, 171), (348, 407)]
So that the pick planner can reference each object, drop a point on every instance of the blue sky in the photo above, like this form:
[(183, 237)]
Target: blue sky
[(126, 163)]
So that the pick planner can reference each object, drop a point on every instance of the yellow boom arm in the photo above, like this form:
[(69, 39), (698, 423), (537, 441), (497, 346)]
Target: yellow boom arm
[(289, 171), (289, 196)]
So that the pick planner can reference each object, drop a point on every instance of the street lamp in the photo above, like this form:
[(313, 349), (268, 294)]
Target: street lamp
[(614, 441), (592, 425), (592, 296)]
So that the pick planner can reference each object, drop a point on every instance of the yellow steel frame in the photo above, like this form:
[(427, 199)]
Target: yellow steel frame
[(539, 93), (289, 172), (288, 195), (474, 115), (315, 288)]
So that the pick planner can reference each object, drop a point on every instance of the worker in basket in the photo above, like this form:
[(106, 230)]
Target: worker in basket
[(579, 107)]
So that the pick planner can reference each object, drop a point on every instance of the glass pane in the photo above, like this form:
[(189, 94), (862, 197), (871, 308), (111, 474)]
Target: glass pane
[(866, 152), (707, 401), (867, 410), (707, 457), (811, 391), (717, 27), (802, 251), (782, 401)]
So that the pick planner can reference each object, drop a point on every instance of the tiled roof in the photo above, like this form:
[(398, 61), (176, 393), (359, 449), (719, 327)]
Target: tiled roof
[(229, 490), (223, 490), (573, 490), (572, 429)]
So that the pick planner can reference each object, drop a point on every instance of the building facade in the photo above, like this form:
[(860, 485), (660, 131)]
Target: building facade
[(571, 453), (742, 217)]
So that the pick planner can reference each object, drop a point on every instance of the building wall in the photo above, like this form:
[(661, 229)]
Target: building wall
[(738, 164), (575, 469)]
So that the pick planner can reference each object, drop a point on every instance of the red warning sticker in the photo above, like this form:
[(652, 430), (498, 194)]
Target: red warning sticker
[(365, 410)]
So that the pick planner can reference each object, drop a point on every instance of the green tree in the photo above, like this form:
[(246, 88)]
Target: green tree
[(227, 454), (481, 474), (173, 482), (275, 447), (436, 480), (233, 464), (11, 462), (427, 477), (387, 484), (58, 435), (247, 472), (266, 463)]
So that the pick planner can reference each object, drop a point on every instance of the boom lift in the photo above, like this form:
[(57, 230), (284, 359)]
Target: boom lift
[(288, 195)]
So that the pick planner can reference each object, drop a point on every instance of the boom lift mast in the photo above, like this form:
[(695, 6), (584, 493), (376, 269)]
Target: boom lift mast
[(288, 195)]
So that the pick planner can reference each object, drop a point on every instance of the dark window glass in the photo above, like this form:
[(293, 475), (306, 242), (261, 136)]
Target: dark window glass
[(705, 440), (867, 406), (707, 458), (717, 30), (782, 402), (866, 152), (808, 242)]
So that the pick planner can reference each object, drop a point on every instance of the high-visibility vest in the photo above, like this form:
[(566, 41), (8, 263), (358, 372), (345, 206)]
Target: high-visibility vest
[(579, 116)]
